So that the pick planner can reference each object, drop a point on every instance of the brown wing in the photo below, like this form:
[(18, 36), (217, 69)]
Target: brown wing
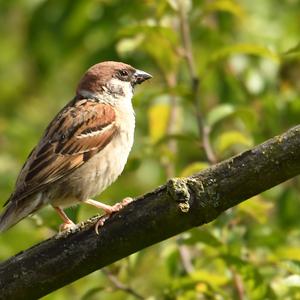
[(77, 133)]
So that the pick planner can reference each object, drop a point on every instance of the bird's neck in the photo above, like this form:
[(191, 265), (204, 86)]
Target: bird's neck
[(115, 93)]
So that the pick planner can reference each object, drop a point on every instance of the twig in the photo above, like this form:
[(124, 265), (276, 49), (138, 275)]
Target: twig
[(238, 284), (120, 285), (171, 82), (185, 257), (203, 128)]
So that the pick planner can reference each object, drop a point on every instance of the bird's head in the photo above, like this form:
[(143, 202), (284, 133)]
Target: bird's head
[(110, 80)]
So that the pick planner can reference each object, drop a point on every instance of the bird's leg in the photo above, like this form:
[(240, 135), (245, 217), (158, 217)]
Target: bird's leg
[(68, 223), (108, 209)]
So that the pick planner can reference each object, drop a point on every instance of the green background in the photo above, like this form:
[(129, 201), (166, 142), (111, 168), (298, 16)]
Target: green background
[(246, 54)]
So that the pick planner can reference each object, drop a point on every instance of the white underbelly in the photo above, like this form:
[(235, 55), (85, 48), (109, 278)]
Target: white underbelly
[(105, 167)]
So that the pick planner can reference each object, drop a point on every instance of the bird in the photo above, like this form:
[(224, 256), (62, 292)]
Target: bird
[(84, 148)]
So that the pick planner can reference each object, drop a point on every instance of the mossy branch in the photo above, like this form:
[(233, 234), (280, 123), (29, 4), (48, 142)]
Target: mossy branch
[(172, 208)]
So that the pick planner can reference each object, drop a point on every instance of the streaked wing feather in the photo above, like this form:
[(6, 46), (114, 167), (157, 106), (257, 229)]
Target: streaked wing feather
[(77, 133)]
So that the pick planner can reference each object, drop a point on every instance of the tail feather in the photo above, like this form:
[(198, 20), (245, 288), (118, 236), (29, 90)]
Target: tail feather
[(15, 211), (9, 217)]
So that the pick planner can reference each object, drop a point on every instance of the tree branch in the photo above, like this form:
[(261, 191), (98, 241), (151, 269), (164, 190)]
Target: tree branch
[(172, 208)]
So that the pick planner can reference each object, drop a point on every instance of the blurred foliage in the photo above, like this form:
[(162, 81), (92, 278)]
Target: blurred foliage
[(247, 58)]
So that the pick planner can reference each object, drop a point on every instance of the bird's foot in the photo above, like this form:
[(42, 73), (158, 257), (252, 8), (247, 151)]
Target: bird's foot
[(109, 210), (126, 201), (67, 226), (118, 206)]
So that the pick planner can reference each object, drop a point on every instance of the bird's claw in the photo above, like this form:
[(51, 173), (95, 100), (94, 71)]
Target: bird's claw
[(112, 209), (67, 226), (126, 201), (101, 222)]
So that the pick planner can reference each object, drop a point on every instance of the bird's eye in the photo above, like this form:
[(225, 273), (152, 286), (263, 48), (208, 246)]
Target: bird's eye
[(123, 73)]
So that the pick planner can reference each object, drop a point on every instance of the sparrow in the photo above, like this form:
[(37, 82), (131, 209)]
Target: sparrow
[(84, 148)]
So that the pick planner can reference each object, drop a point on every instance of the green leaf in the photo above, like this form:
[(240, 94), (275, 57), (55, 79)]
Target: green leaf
[(202, 280), (219, 113), (128, 45), (294, 51), (225, 6), (90, 294), (230, 138), (159, 42), (293, 266), (201, 236), (210, 277), (257, 208), (248, 116), (250, 49), (194, 168), (147, 29), (224, 111), (289, 253)]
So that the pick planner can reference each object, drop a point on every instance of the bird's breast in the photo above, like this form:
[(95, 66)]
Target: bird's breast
[(103, 169)]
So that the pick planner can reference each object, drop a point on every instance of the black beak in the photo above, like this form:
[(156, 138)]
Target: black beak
[(140, 76)]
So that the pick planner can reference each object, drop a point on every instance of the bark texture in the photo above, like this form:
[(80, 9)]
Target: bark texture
[(177, 206)]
